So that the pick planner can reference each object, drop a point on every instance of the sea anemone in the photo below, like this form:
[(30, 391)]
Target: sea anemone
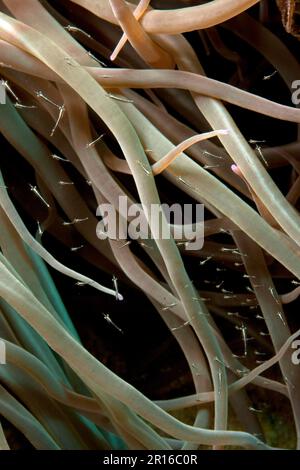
[(146, 342)]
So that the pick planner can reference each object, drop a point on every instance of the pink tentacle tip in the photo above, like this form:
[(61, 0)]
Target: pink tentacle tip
[(235, 169)]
